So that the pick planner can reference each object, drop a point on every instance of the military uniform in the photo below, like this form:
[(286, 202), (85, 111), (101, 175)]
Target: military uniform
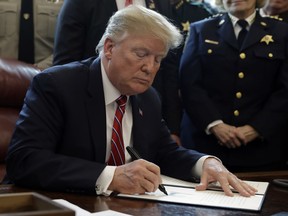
[(45, 13), (239, 86)]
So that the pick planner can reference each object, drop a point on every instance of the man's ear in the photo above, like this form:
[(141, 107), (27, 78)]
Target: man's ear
[(108, 48)]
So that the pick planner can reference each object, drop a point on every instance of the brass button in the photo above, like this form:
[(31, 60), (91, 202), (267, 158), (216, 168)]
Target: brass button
[(209, 51), (270, 55), (236, 113), (26, 16), (242, 55), (238, 95), (241, 75)]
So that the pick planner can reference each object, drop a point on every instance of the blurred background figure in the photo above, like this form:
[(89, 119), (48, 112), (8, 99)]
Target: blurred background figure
[(208, 5), (27, 30), (186, 12), (234, 85), (276, 8)]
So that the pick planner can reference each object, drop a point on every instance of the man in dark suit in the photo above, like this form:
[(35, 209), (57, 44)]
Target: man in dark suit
[(236, 96), (80, 27), (63, 139)]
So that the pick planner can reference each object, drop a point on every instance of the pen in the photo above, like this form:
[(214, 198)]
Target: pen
[(135, 156)]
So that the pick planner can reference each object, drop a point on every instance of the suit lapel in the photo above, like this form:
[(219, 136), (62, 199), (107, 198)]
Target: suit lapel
[(225, 26), (138, 115), (96, 111)]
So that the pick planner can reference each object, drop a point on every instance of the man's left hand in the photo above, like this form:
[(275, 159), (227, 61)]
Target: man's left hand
[(213, 171)]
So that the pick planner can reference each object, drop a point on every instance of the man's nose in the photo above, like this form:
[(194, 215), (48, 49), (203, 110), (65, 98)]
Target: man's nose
[(149, 65)]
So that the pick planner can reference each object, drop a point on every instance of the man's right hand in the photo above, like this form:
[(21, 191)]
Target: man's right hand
[(137, 177)]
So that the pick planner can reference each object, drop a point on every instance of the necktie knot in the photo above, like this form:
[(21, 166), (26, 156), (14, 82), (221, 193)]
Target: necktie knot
[(128, 2), (121, 101), (243, 23)]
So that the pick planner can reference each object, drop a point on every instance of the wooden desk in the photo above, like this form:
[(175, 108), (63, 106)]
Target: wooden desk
[(276, 201)]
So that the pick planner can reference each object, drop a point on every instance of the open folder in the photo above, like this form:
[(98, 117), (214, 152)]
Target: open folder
[(184, 192)]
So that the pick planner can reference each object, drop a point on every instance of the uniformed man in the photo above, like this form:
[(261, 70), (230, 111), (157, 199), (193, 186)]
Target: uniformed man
[(234, 84), (27, 30)]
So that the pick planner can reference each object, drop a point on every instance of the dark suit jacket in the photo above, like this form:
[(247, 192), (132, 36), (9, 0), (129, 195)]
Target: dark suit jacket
[(80, 27), (60, 138), (216, 81)]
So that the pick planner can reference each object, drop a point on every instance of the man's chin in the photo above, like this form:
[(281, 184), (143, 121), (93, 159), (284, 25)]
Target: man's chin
[(139, 89)]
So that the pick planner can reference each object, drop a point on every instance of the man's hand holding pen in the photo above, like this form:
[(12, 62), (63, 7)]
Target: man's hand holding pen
[(137, 177)]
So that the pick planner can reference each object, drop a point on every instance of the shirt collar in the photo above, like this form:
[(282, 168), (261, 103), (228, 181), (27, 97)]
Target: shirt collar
[(262, 13), (249, 19), (110, 92)]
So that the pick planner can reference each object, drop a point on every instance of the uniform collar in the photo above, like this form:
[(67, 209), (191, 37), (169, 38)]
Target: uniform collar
[(249, 19)]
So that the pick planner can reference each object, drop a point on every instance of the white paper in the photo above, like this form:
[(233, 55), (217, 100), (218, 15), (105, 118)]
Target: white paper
[(109, 213), (78, 211), (184, 192), (203, 198), (166, 180), (81, 212)]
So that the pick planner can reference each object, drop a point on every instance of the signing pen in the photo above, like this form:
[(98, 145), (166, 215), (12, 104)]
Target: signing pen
[(135, 156)]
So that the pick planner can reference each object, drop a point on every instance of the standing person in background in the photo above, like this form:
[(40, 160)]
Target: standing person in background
[(234, 84), (277, 9), (80, 27), (27, 30), (185, 13), (65, 138)]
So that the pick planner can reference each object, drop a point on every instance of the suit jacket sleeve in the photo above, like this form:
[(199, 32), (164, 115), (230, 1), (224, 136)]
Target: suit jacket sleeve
[(152, 139), (46, 150)]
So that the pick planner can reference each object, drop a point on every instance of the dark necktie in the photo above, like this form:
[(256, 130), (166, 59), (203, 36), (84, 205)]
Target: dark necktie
[(26, 32), (117, 156), (243, 32), (128, 2)]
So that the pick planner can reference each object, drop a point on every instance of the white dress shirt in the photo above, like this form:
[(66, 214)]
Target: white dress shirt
[(110, 95)]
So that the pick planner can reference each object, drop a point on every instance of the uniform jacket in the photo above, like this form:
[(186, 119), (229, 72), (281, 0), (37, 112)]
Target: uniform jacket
[(247, 85), (80, 28), (45, 15), (60, 138)]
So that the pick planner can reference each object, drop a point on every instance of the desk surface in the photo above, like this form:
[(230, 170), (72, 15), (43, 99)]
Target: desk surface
[(276, 200)]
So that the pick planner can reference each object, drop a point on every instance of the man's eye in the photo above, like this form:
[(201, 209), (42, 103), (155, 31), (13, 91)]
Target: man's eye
[(141, 54)]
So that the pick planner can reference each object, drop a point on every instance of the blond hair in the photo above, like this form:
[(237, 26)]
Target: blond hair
[(142, 21)]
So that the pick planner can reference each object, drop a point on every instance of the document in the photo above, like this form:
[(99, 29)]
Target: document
[(184, 192), (81, 212)]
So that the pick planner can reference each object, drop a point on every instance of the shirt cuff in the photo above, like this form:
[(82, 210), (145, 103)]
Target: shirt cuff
[(104, 180), (214, 123), (197, 169)]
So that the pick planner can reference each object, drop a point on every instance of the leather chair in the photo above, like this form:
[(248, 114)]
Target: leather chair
[(15, 78)]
